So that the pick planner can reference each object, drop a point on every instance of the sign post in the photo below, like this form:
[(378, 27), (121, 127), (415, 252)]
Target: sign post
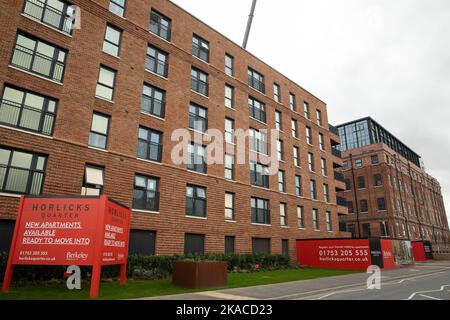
[(70, 230)]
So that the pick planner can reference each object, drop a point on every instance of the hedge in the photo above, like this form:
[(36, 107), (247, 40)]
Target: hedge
[(150, 267)]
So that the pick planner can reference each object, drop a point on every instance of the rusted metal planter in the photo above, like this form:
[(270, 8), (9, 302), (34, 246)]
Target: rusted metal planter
[(199, 274)]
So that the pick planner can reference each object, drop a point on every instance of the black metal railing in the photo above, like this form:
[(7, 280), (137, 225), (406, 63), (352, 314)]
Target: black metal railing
[(37, 63), (153, 106), (157, 66), (26, 117), (261, 216), (341, 201), (49, 15), (257, 113), (18, 180), (146, 200), (339, 176), (149, 150), (333, 129), (336, 152), (256, 84), (199, 86)]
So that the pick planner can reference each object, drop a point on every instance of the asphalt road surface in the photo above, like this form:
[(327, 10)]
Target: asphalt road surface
[(423, 281)]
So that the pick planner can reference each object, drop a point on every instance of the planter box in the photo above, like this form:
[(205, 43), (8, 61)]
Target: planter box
[(199, 274)]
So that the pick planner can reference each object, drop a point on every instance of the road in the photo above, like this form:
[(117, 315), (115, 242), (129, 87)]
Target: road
[(423, 281)]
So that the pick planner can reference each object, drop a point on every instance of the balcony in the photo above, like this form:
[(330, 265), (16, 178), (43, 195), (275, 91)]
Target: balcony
[(336, 153), (333, 129), (340, 201), (339, 176), (54, 17)]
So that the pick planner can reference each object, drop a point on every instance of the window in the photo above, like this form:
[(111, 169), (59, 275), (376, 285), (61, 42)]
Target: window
[(311, 162), (142, 242), (260, 211), (229, 167), (39, 57), (194, 244), (323, 163), (306, 110), (326, 193), (298, 186), (363, 205), (315, 219), (229, 130), (312, 187), (50, 12), (157, 61), (348, 184), (150, 144), (328, 220), (229, 206), (229, 96), (283, 215), (374, 159), (93, 181), (319, 117), (321, 141), (366, 230), (21, 172), (358, 163), (198, 118), (278, 121), (281, 181), (199, 81), (106, 82), (259, 175), (22, 109), (309, 135), (296, 155), (257, 109), (377, 180), (98, 136), (300, 217), (384, 229), (256, 80), (260, 246), (276, 92), (196, 158), (361, 182), (280, 150), (111, 43), (294, 128), (258, 141), (146, 193), (345, 165), (200, 48), (381, 204), (195, 201), (153, 101), (160, 25), (285, 247), (229, 65), (350, 206), (292, 102), (229, 244)]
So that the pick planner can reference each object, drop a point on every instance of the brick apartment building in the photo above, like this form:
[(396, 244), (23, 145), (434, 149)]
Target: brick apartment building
[(92, 110), (388, 192)]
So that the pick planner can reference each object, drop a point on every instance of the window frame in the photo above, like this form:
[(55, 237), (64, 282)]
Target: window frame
[(196, 198), (145, 189), (199, 48), (105, 135), (159, 17), (149, 143), (104, 85), (118, 45)]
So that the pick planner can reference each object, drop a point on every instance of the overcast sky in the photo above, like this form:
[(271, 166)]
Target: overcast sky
[(383, 58)]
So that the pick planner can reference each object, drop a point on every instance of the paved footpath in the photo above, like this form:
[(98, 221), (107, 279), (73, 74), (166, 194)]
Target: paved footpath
[(423, 281)]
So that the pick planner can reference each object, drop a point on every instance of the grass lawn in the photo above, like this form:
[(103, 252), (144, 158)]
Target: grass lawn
[(149, 288)]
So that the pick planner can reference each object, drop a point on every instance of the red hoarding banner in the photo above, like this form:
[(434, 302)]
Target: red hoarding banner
[(388, 254), (334, 253), (419, 251)]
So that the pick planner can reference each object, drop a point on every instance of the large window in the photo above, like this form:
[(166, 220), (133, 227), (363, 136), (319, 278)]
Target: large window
[(257, 109), (361, 182), (200, 48), (229, 96), (276, 92), (326, 193), (195, 201), (280, 150), (363, 205), (313, 190), (146, 193), (28, 111), (53, 13), (258, 141), (260, 210), (256, 80), (157, 61), (323, 164), (117, 7), (194, 244), (259, 175), (377, 180), (296, 156), (306, 111), (150, 144), (21, 172), (381, 204), (315, 219), (229, 206), (281, 181), (93, 180), (142, 242), (39, 57), (198, 118), (229, 244), (309, 139), (261, 245), (98, 136), (278, 121), (111, 44), (196, 158), (298, 186), (229, 130), (199, 81), (153, 101), (321, 141), (292, 102), (106, 83), (229, 166), (229, 65), (283, 215), (311, 165), (160, 25), (300, 217), (294, 128), (319, 117)]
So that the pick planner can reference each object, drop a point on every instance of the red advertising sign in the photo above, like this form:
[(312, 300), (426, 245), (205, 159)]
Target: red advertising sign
[(59, 230), (388, 254)]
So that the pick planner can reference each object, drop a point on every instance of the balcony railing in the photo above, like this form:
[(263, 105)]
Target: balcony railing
[(22, 181), (146, 200), (341, 201), (333, 129), (157, 66), (339, 176), (336, 152), (49, 15), (256, 84), (261, 216), (153, 106), (26, 117)]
